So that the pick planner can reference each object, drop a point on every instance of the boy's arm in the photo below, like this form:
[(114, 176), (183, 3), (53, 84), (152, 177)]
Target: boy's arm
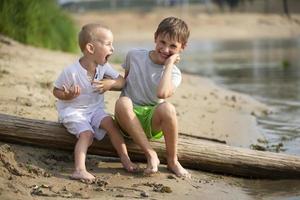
[(66, 94), (109, 84), (166, 87), (118, 83)]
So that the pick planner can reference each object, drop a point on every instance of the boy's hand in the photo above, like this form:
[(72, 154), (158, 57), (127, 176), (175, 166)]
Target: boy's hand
[(173, 59), (103, 85), (72, 92)]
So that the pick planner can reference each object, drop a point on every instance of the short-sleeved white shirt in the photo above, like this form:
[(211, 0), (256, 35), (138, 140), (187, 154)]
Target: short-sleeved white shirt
[(88, 100), (144, 77), (86, 111)]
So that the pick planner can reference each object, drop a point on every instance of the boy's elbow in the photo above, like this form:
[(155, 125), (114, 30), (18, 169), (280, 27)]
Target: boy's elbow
[(163, 95), (54, 92), (58, 93)]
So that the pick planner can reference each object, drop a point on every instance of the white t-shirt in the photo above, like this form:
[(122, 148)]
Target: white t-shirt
[(144, 77), (88, 100)]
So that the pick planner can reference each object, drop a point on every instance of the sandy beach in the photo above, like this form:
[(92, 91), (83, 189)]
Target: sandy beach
[(203, 26), (204, 109)]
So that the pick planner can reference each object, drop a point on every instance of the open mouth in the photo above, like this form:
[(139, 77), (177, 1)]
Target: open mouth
[(164, 56), (106, 57)]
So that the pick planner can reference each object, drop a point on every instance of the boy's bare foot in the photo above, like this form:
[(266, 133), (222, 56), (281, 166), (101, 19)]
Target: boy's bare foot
[(178, 170), (152, 164), (128, 165), (82, 174)]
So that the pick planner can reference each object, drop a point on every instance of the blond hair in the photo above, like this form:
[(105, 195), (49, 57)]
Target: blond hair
[(174, 27), (88, 34)]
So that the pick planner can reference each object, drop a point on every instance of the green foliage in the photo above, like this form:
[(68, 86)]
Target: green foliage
[(286, 64), (38, 22)]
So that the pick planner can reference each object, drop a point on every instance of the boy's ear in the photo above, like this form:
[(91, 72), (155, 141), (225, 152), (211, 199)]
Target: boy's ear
[(90, 48)]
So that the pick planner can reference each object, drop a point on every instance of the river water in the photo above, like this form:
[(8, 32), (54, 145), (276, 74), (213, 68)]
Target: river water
[(266, 69)]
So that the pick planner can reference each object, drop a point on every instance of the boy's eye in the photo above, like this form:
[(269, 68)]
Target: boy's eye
[(162, 42)]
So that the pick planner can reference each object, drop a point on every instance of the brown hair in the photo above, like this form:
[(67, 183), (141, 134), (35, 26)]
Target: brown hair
[(88, 34), (174, 27)]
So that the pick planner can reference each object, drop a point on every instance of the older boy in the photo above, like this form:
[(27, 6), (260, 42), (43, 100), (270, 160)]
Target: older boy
[(79, 90), (151, 77)]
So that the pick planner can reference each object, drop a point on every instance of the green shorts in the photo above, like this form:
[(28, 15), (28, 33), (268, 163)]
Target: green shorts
[(144, 114)]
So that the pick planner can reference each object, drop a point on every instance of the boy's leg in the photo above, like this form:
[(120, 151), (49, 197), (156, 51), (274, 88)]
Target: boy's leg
[(117, 140), (84, 141), (164, 118), (130, 123)]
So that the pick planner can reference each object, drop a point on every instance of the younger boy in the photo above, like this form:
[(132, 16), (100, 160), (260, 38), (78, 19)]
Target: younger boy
[(79, 90), (151, 77)]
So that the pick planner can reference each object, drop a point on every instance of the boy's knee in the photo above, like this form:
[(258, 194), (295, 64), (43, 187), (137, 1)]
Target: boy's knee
[(123, 106), (87, 135), (168, 109), (123, 102), (108, 123)]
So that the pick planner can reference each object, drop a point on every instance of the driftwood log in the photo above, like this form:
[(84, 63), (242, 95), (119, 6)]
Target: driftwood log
[(193, 153)]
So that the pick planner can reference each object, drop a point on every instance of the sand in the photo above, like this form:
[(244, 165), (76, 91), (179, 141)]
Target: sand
[(140, 26), (204, 109)]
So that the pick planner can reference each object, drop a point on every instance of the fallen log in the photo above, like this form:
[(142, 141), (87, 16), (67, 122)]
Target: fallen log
[(193, 153)]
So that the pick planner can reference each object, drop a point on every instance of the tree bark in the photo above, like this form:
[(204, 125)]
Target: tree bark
[(193, 153)]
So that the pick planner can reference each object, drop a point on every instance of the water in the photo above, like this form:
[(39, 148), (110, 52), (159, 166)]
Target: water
[(266, 69)]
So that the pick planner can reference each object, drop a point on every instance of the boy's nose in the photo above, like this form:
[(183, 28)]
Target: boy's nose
[(165, 49)]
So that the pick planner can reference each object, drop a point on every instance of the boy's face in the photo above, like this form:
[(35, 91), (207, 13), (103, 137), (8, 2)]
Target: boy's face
[(166, 47), (103, 46)]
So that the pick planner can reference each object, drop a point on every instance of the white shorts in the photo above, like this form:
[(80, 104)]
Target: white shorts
[(77, 121)]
